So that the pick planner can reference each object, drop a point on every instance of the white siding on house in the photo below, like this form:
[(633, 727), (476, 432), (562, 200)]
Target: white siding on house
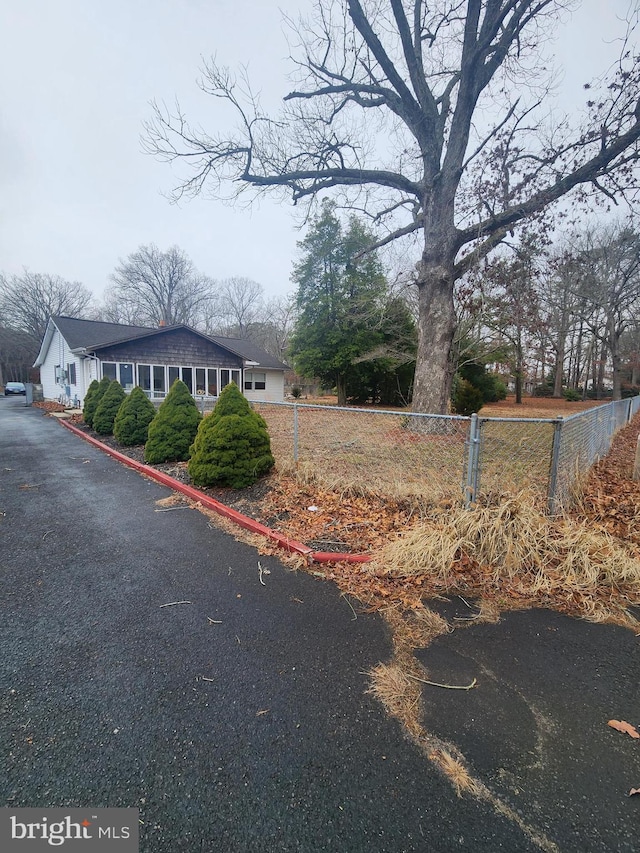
[(59, 355), (274, 391)]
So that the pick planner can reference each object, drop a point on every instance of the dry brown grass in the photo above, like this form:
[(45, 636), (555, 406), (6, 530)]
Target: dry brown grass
[(174, 499), (511, 549)]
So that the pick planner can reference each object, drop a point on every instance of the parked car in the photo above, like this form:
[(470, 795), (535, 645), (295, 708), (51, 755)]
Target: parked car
[(14, 388)]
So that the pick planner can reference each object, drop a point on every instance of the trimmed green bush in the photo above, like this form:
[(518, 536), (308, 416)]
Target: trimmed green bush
[(108, 408), (571, 395), (136, 412), (542, 391), (467, 399), (174, 427), (232, 447), (91, 390), (92, 399)]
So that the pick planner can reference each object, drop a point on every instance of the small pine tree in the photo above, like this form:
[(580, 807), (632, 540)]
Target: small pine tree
[(92, 400), (232, 447), (174, 427), (91, 390), (467, 399), (136, 412), (108, 408)]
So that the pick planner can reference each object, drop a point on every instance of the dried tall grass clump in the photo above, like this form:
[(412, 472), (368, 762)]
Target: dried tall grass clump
[(512, 546)]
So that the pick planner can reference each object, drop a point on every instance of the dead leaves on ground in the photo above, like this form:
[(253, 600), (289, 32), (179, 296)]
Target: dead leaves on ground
[(624, 727), (611, 499)]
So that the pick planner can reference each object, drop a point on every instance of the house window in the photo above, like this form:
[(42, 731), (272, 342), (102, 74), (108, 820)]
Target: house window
[(200, 380), (187, 378), (255, 381), (174, 373), (126, 376), (71, 373), (212, 382), (227, 376), (109, 369), (144, 377), (158, 379)]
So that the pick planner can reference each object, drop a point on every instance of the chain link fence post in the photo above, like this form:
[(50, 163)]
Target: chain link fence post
[(473, 458), (552, 501)]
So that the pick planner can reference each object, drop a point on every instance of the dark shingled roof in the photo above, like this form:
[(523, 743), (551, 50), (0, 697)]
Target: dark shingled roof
[(249, 351), (87, 334), (94, 334)]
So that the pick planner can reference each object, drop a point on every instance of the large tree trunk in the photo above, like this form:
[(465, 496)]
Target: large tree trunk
[(341, 388), (436, 329)]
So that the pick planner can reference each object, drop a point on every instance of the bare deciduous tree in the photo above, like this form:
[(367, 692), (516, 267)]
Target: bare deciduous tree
[(430, 117), (610, 288), (152, 287), (240, 302), (28, 300), (274, 331)]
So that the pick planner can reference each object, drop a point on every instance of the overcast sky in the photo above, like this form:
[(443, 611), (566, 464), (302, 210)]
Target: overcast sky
[(76, 77)]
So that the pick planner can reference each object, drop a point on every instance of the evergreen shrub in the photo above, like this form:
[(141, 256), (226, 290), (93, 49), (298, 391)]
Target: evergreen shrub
[(174, 427), (467, 399), (108, 407), (232, 446), (93, 397), (136, 412), (542, 391), (571, 395)]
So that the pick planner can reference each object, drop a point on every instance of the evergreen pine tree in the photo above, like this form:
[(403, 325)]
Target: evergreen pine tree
[(232, 446), (91, 390), (93, 399), (108, 407), (174, 427), (136, 412)]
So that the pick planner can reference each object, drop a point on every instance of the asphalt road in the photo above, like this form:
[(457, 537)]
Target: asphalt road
[(253, 732)]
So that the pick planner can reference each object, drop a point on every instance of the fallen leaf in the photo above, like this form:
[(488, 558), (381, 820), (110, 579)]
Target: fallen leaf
[(634, 791), (624, 727)]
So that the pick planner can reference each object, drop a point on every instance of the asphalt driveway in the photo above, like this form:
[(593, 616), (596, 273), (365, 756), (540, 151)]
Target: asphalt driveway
[(237, 722)]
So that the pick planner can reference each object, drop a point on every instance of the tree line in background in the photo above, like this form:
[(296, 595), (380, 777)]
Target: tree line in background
[(557, 319)]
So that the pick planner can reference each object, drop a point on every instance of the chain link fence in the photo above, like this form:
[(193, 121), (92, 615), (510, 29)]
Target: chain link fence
[(431, 458), (366, 450), (580, 441)]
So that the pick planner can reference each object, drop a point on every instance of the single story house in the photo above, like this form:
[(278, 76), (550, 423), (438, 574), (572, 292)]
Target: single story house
[(75, 352)]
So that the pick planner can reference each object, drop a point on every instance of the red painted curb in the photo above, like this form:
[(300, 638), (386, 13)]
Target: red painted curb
[(227, 512)]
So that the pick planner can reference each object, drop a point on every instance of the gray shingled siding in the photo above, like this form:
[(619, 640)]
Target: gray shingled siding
[(179, 347)]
